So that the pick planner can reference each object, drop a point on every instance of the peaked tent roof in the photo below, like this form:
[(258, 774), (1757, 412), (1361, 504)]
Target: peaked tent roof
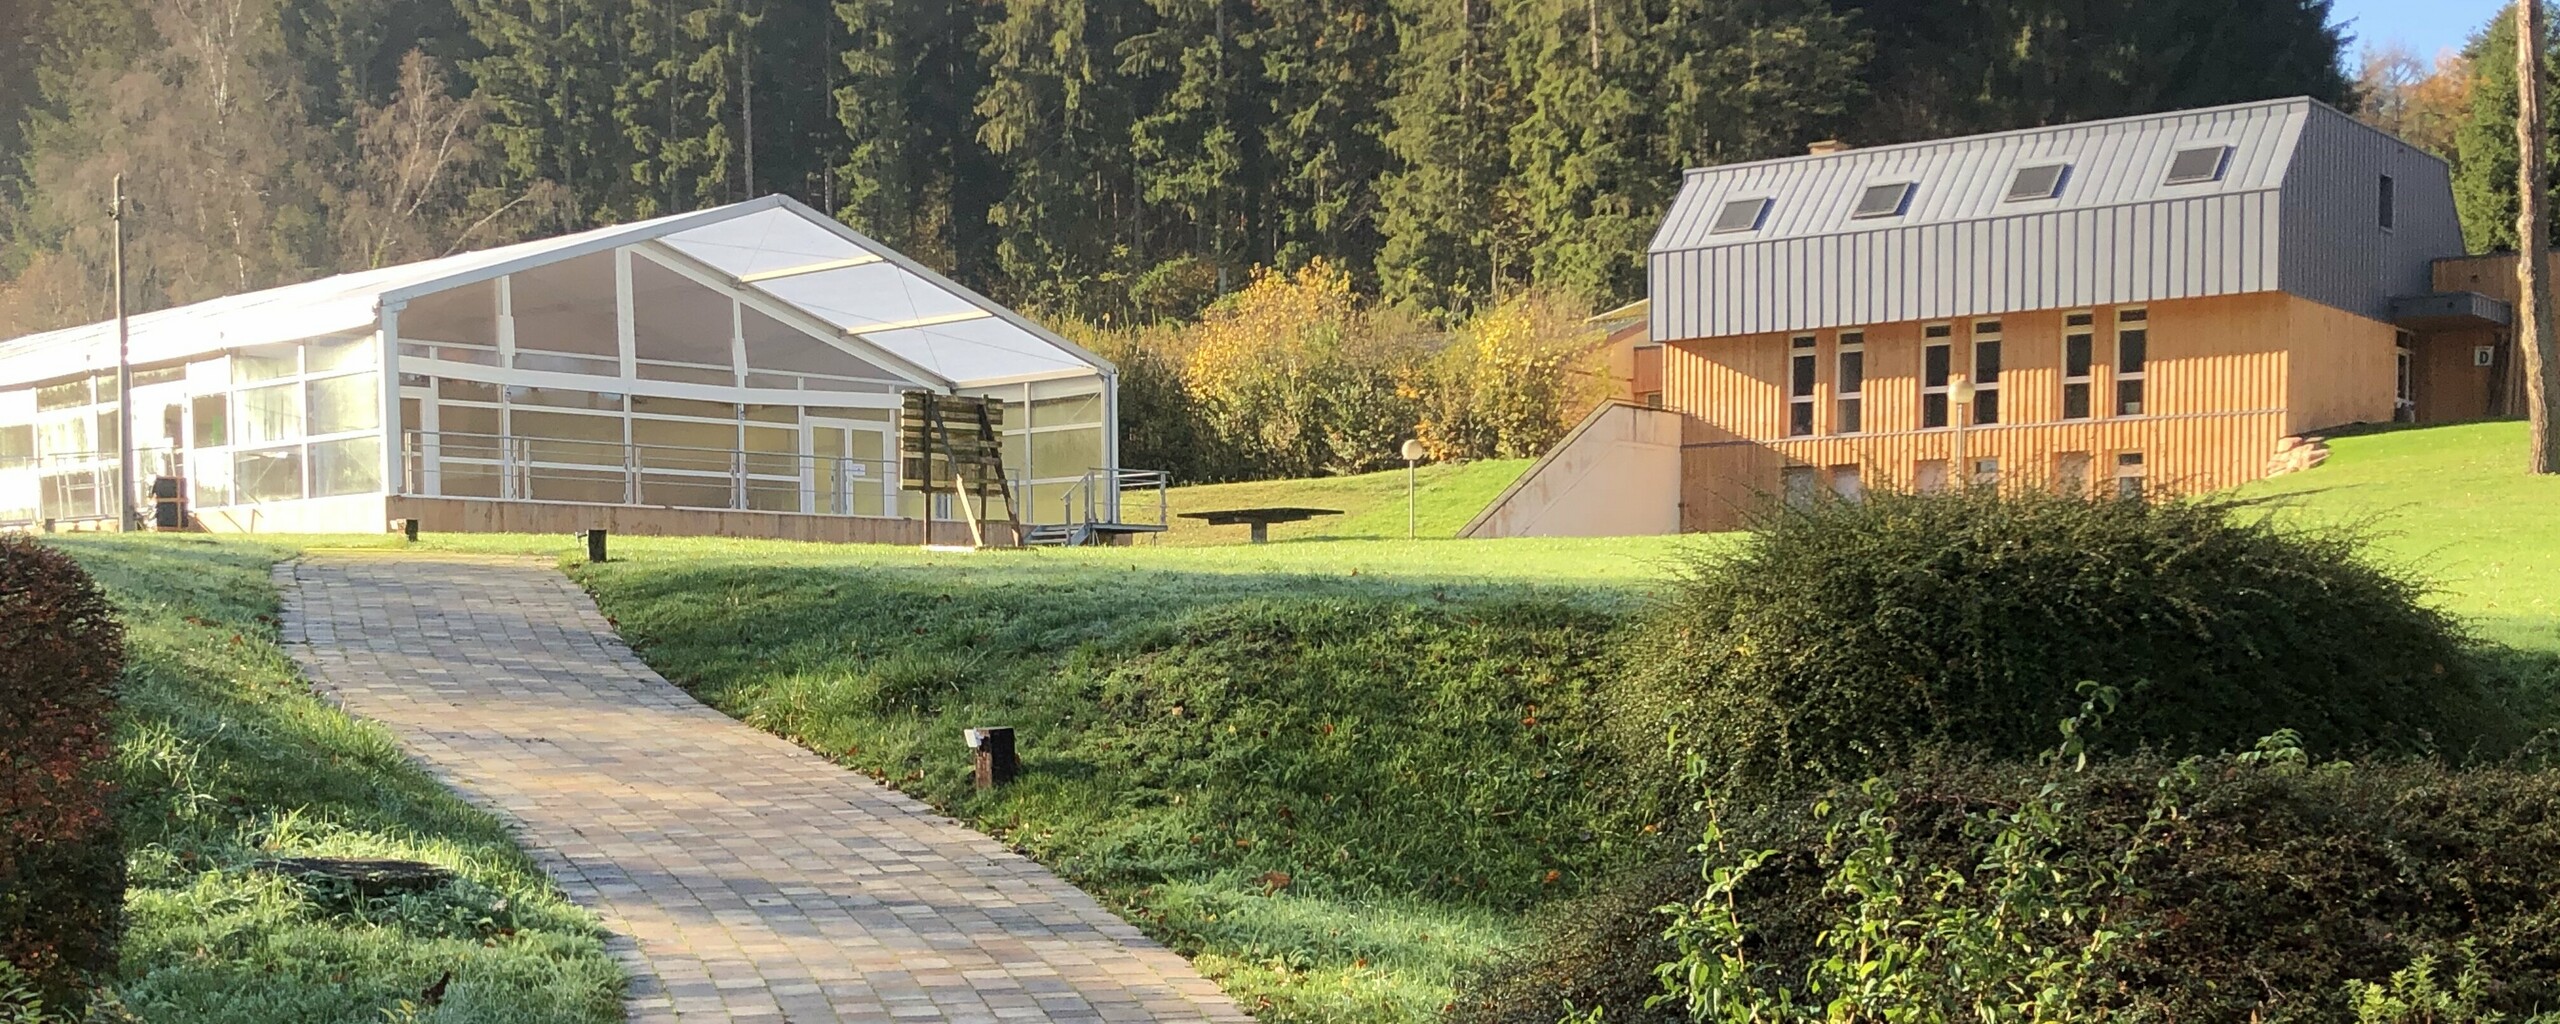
[(795, 255)]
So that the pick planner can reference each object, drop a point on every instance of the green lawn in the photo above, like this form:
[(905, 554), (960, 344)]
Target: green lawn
[(225, 760), (2455, 504), (1339, 772), (1446, 496)]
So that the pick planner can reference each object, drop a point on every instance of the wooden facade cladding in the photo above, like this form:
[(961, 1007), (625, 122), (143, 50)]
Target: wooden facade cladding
[(2226, 378)]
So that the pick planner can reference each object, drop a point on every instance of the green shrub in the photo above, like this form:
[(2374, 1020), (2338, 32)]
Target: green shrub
[(61, 864), (1840, 638), (2239, 887)]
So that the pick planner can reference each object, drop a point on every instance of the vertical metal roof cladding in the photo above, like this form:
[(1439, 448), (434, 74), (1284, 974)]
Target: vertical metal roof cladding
[(2296, 208)]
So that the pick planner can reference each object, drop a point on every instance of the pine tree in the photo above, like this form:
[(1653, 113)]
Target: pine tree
[(551, 74), (1578, 155), (1056, 117), (1446, 110), (1323, 65), (1197, 148)]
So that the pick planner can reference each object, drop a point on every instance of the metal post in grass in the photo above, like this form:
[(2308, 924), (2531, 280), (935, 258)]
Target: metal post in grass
[(997, 764), (1412, 454), (595, 545)]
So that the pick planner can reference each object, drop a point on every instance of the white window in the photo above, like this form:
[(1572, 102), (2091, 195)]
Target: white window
[(2133, 361), (1849, 414), (1797, 486), (2079, 358), (2129, 475), (1986, 372), (2404, 386), (1937, 362), (1801, 369), (1986, 472)]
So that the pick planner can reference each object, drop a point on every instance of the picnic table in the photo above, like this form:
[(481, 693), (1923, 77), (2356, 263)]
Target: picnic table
[(1260, 518)]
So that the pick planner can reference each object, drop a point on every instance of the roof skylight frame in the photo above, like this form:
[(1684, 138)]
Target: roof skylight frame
[(2184, 166), (2046, 181), (1728, 221), (1871, 207)]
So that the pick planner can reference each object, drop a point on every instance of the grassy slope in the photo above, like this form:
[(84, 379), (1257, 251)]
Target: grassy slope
[(1446, 496), (1228, 753), (2455, 504), (225, 759)]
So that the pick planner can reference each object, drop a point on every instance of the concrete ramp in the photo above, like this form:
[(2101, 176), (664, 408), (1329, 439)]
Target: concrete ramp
[(1616, 475)]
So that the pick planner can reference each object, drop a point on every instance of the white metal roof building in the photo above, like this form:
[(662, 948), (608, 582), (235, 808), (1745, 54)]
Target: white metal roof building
[(2276, 195), (747, 358)]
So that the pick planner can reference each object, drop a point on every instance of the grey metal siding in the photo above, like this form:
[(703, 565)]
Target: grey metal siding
[(2335, 250), (2208, 245), (2295, 210)]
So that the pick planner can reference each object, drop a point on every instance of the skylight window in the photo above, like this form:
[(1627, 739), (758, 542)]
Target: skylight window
[(1884, 200), (1740, 215), (2203, 163), (2043, 182)]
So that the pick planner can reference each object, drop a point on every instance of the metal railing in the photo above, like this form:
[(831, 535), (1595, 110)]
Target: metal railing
[(1104, 498), (74, 487), (472, 465)]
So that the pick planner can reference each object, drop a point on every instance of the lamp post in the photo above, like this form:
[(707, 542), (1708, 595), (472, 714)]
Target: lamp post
[(128, 512), (1960, 395), (1412, 454)]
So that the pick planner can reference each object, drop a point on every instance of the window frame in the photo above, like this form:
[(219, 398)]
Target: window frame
[(2061, 175), (1759, 215), (1848, 405), (1980, 337), (2221, 164), (1804, 382), (1936, 337), (2386, 202), (2132, 320), (2081, 326), (1901, 200), (2132, 476)]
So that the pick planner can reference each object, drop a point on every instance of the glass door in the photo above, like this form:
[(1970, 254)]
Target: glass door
[(848, 472)]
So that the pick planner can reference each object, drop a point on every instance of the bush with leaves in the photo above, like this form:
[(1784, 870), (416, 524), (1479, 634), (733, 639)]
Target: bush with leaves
[(1512, 380), (61, 864), (2251, 886), (1839, 639)]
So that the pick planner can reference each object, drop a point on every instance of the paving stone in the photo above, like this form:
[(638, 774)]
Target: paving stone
[(744, 879)]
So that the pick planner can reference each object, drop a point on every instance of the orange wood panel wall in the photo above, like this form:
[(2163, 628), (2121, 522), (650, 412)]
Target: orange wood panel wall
[(2222, 388)]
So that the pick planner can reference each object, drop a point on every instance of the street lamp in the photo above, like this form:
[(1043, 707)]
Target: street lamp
[(1412, 454), (1960, 394)]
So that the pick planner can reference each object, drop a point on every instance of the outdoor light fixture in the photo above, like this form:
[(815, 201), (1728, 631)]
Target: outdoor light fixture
[(1960, 392)]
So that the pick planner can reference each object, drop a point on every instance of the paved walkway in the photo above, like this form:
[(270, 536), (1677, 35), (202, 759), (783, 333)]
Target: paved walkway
[(745, 879)]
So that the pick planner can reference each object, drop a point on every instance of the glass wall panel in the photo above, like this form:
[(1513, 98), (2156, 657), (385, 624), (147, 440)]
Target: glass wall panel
[(66, 395), (328, 355), (468, 314), (675, 319), (342, 404), (780, 347), (590, 486), (593, 366), (351, 465), (454, 390), (17, 443), (688, 374), (1057, 412), (566, 306), (685, 491), (682, 444), (773, 495), (468, 431), (564, 398), (466, 479), (265, 362), (655, 406), (213, 418), (273, 475), (212, 477), (69, 435), (1066, 452), (272, 413)]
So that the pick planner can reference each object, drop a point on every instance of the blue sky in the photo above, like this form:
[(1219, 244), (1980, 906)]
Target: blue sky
[(2425, 26)]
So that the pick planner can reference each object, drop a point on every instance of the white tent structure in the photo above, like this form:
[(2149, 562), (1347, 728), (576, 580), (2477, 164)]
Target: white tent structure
[(733, 370)]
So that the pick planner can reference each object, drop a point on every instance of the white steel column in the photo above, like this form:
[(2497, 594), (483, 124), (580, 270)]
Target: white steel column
[(387, 340)]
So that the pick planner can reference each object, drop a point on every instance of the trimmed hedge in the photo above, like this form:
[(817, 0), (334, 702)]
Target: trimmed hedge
[(61, 864), (1839, 639), (2270, 889)]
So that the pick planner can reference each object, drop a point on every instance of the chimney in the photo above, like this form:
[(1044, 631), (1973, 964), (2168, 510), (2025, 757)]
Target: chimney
[(1827, 147)]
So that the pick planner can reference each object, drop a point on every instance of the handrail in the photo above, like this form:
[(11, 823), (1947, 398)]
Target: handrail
[(1103, 492)]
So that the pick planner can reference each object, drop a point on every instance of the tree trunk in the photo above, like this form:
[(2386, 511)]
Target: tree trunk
[(2533, 242)]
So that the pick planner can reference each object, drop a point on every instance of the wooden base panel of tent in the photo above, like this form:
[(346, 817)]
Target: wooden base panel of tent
[(482, 515)]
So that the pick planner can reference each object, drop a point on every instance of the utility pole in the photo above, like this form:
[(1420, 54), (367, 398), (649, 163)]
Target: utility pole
[(128, 513), (2533, 244)]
